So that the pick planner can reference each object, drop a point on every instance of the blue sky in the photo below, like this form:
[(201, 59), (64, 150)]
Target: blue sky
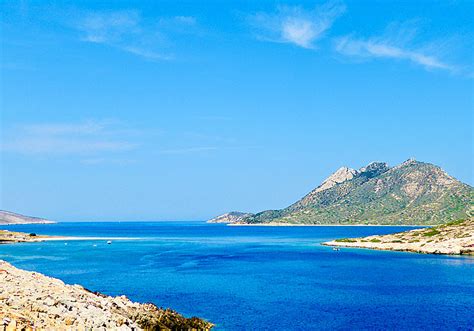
[(160, 110)]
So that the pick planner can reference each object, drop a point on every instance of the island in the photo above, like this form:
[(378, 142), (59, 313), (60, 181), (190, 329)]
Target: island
[(453, 238), (411, 193)]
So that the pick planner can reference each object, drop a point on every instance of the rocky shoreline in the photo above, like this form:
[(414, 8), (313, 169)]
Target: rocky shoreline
[(32, 301), (454, 238)]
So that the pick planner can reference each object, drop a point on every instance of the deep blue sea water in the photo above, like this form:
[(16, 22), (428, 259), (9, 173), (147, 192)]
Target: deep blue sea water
[(259, 278)]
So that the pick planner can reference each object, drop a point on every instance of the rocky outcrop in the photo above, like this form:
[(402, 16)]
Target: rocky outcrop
[(7, 217), (452, 238), (341, 175), (374, 169), (29, 300), (232, 217)]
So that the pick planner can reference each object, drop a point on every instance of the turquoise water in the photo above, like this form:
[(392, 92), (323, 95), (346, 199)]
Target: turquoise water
[(259, 278)]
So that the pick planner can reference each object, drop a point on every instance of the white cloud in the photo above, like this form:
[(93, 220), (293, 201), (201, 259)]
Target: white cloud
[(147, 54), (295, 25), (128, 31), (107, 27), (394, 44), (83, 138), (178, 20)]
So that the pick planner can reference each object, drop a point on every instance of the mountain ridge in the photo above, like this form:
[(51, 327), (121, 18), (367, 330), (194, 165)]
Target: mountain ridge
[(412, 192)]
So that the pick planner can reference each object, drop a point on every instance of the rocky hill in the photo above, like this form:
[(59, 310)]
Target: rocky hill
[(452, 238), (410, 193), (7, 217), (232, 217)]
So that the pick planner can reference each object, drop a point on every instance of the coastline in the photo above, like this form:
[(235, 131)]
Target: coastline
[(455, 238), (288, 224), (28, 223), (30, 300), (78, 238), (11, 237)]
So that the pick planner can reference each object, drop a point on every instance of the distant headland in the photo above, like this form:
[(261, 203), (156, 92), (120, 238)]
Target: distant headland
[(7, 217)]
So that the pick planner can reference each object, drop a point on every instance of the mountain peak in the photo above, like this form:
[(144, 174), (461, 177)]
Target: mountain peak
[(341, 175), (408, 162), (374, 169)]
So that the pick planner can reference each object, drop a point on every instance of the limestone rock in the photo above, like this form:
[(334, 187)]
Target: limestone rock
[(32, 300)]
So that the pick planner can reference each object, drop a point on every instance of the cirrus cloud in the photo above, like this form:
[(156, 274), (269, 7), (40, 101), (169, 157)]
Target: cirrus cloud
[(295, 25), (130, 32), (397, 43), (82, 138)]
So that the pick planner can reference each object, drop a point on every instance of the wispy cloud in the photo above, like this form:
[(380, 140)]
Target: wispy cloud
[(188, 150), (397, 43), (129, 32), (295, 25), (107, 161), (85, 138), (178, 21), (108, 27), (205, 149)]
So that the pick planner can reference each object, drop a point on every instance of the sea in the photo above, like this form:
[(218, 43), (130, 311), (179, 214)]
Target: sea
[(258, 278)]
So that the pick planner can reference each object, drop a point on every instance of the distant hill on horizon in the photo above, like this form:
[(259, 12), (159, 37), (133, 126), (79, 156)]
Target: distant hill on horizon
[(7, 217), (411, 193)]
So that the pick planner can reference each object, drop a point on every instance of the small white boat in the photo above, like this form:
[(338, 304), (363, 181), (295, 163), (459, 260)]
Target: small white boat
[(109, 242), (336, 249)]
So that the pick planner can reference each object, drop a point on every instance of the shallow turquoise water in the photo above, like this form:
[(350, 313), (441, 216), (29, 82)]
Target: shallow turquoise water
[(259, 278)]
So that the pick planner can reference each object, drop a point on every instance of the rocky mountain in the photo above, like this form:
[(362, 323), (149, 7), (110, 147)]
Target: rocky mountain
[(7, 217), (410, 193)]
